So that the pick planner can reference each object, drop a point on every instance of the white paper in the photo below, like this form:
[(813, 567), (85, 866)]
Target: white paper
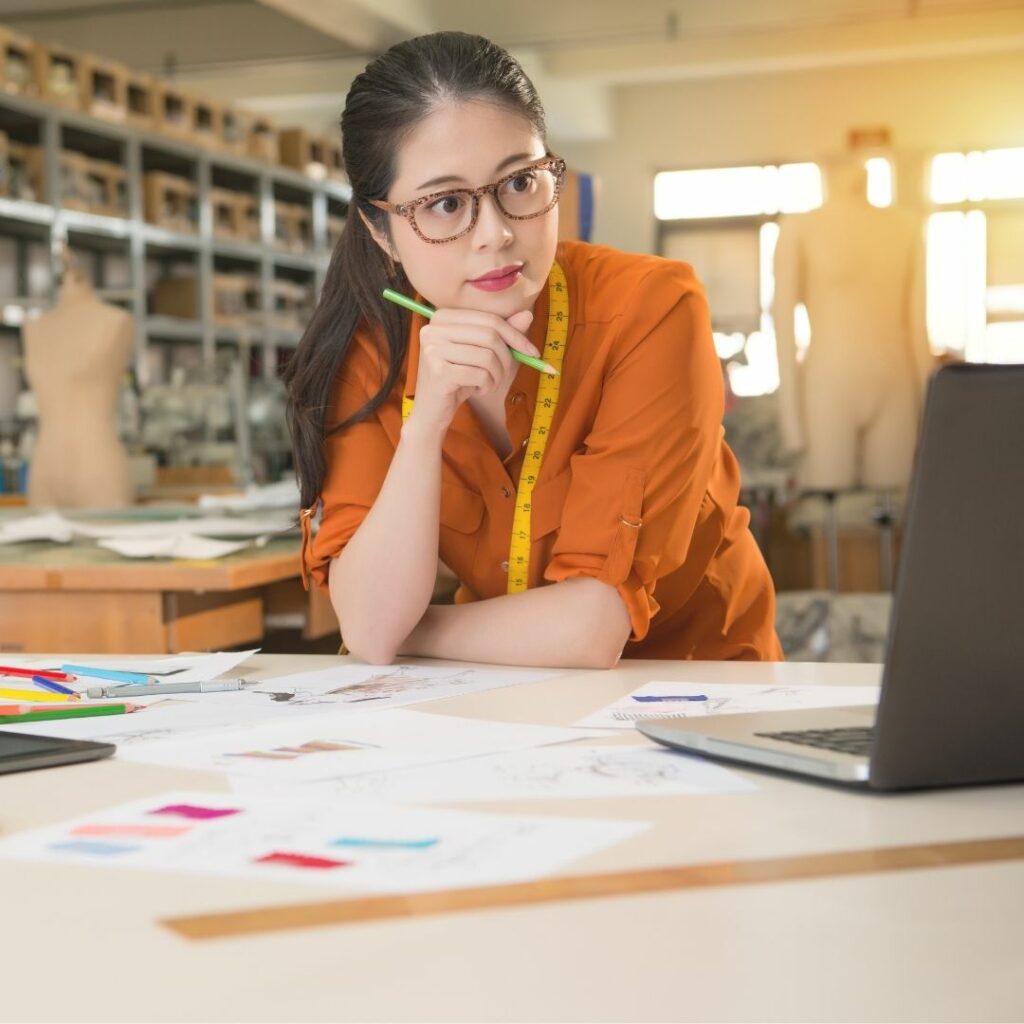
[(555, 772), (174, 546), (332, 744), (358, 846), (723, 699), (163, 719), (205, 526), (283, 494), (175, 668), (374, 688), (50, 526), (359, 689)]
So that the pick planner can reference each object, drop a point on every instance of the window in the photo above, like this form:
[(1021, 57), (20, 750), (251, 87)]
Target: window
[(879, 181), (737, 191), (975, 290), (719, 220)]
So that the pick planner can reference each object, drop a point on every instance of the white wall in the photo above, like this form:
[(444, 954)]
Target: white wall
[(929, 105)]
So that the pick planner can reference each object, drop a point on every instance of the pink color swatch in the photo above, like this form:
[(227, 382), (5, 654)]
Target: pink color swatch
[(301, 860), (194, 812)]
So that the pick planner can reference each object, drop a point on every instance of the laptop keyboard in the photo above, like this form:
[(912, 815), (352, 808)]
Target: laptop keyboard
[(851, 740)]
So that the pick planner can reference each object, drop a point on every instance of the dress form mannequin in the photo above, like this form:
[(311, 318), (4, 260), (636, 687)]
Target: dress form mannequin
[(75, 358), (852, 406)]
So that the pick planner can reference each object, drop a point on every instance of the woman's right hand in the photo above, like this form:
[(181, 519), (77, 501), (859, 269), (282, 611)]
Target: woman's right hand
[(465, 353)]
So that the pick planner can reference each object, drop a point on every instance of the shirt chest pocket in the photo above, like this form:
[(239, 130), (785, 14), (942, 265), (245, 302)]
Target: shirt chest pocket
[(547, 504), (462, 510)]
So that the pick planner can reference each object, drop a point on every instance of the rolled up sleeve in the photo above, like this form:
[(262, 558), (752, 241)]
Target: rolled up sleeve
[(638, 485)]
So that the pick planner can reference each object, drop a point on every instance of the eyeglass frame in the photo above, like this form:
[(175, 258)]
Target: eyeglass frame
[(549, 162)]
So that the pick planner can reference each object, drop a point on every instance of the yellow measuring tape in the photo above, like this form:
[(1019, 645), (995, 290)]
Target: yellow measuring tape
[(543, 415)]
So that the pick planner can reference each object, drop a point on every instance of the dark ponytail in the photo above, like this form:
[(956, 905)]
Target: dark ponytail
[(386, 101)]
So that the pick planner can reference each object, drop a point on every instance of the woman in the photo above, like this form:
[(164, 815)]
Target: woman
[(580, 510)]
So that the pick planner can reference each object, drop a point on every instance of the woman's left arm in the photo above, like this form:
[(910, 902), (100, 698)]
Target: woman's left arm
[(578, 623)]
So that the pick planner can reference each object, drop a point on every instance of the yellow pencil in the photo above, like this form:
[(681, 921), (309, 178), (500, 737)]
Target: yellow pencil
[(33, 696)]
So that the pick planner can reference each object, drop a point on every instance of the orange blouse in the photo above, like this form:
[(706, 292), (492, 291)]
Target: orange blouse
[(637, 489)]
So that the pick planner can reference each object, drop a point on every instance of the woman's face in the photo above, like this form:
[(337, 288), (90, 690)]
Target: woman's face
[(466, 145)]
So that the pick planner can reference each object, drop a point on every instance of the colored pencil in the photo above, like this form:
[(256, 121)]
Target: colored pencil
[(82, 711), (427, 311), (28, 673), (51, 687), (117, 675), (32, 695), (6, 710)]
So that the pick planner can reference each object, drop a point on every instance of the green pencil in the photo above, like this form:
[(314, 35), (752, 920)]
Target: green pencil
[(89, 711), (418, 307)]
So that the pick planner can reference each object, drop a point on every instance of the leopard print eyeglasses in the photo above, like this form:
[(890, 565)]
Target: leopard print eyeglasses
[(444, 216)]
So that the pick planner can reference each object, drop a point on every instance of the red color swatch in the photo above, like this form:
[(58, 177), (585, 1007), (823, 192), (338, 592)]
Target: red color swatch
[(301, 860)]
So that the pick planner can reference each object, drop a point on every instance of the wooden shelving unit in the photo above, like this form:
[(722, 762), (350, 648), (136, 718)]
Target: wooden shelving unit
[(143, 245)]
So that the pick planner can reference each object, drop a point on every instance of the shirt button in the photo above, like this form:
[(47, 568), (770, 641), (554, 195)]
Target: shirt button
[(506, 493), (525, 441), (504, 566), (517, 397)]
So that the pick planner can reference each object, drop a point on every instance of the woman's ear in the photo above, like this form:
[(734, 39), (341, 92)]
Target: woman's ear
[(380, 238)]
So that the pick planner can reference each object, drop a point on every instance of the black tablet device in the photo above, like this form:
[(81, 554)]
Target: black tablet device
[(20, 752)]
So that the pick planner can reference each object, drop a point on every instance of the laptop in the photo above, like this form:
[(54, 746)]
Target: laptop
[(951, 709)]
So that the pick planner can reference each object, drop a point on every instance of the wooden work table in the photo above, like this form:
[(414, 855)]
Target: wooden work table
[(794, 902), (74, 597)]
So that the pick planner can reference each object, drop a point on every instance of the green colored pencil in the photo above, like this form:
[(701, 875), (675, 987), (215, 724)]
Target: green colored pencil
[(418, 307), (89, 711)]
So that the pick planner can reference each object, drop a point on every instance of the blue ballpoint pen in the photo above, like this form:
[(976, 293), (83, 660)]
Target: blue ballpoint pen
[(688, 696)]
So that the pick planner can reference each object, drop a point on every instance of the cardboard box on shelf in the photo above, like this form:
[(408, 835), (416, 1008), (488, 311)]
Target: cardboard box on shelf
[(175, 295), (104, 89), (141, 100), (173, 111), (249, 216), (91, 185), (58, 74), (170, 201), (224, 214), (230, 212), (291, 304), (235, 126), (17, 63), (207, 121), (262, 142), (26, 179), (293, 226), (236, 300), (302, 151)]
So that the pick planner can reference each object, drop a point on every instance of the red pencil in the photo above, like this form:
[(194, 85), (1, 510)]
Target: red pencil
[(28, 673)]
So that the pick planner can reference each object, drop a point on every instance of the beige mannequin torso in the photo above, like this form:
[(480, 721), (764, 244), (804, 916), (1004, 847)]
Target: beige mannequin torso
[(852, 406), (75, 358)]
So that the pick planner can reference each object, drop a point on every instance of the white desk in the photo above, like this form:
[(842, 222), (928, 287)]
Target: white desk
[(942, 944)]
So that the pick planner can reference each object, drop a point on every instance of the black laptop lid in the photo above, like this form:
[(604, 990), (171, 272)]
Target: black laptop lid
[(952, 707)]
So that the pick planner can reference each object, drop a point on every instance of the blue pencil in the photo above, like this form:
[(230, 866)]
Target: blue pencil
[(107, 673), (49, 684)]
